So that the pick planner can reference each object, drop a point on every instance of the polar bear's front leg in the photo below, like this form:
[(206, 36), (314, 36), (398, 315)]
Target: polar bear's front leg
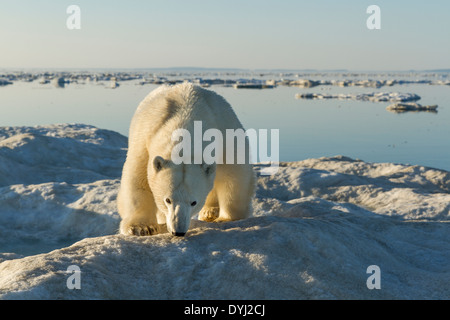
[(210, 210), (234, 188), (138, 211)]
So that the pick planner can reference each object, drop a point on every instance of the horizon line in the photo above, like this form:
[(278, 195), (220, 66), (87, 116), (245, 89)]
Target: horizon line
[(230, 69)]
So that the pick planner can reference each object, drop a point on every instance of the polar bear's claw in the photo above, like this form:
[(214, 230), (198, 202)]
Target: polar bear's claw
[(209, 214), (142, 230)]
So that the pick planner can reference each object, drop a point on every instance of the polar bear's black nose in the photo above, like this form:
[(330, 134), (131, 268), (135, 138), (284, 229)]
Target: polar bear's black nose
[(178, 234)]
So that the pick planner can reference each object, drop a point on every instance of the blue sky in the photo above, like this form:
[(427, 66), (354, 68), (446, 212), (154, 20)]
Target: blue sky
[(226, 34)]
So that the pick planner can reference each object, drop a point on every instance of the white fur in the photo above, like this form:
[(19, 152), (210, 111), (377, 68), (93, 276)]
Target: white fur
[(222, 192)]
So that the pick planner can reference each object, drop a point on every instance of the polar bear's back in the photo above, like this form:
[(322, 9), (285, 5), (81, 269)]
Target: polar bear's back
[(168, 108), (186, 103)]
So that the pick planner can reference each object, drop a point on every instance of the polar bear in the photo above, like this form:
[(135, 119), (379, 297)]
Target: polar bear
[(155, 190)]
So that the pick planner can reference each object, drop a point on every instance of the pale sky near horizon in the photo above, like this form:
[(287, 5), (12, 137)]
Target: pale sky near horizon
[(245, 34)]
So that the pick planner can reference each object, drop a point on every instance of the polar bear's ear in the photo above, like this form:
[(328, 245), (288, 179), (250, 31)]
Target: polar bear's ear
[(159, 163), (209, 168)]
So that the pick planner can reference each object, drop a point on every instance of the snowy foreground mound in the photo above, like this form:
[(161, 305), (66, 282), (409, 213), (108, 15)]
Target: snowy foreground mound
[(318, 224)]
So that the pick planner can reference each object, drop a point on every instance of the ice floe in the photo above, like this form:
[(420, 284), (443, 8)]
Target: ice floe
[(318, 224), (240, 78), (370, 96)]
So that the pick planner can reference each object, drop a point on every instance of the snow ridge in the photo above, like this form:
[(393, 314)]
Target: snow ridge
[(317, 225)]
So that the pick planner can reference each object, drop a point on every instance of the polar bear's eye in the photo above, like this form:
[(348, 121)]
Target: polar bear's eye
[(194, 203), (168, 201)]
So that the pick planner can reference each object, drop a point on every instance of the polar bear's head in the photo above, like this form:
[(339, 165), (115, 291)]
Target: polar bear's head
[(179, 190)]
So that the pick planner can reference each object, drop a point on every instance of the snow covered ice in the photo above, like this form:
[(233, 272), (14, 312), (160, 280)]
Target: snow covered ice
[(371, 96), (317, 225)]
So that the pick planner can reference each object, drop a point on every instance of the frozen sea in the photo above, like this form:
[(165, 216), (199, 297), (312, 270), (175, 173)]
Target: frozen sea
[(308, 128)]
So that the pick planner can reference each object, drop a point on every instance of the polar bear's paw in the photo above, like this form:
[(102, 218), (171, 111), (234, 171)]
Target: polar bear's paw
[(209, 214), (142, 230), (139, 229)]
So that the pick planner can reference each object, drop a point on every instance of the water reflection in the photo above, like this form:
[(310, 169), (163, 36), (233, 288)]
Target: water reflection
[(309, 128), (411, 111)]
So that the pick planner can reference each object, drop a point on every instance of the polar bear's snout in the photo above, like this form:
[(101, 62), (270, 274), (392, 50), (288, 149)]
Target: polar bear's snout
[(178, 234), (178, 220)]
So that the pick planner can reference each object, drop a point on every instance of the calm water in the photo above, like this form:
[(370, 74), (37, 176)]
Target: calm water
[(308, 128)]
